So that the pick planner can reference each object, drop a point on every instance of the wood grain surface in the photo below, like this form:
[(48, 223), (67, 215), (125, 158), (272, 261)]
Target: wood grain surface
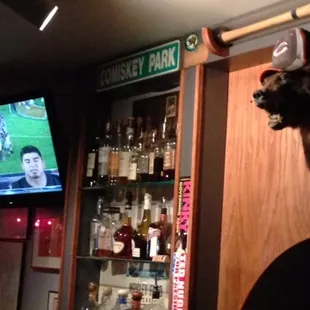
[(266, 192)]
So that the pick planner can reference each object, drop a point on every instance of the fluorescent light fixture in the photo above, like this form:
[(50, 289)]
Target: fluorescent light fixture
[(37, 12), (49, 18)]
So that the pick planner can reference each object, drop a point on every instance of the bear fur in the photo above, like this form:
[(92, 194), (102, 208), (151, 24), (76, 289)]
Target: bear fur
[(285, 96)]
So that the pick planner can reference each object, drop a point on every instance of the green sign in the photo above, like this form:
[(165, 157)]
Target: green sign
[(157, 61)]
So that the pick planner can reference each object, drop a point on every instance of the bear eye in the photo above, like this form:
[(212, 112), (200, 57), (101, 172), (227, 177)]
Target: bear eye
[(284, 77)]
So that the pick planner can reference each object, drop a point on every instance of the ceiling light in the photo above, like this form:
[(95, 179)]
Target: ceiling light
[(37, 12)]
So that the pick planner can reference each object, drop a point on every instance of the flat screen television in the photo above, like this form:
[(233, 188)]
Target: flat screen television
[(28, 161)]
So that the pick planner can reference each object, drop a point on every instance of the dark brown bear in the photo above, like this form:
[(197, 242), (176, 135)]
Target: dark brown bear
[(285, 96)]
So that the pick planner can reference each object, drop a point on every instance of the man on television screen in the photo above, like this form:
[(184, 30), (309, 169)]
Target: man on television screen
[(33, 165)]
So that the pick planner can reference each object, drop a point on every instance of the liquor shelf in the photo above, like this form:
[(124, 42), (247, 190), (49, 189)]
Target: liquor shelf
[(130, 185), (115, 259)]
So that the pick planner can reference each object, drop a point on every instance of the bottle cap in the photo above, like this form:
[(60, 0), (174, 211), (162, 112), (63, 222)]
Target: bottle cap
[(122, 293), (147, 201)]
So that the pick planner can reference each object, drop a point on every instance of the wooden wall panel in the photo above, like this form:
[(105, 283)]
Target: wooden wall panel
[(266, 192)]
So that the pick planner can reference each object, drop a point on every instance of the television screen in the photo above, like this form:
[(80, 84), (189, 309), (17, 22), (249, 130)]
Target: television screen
[(27, 156)]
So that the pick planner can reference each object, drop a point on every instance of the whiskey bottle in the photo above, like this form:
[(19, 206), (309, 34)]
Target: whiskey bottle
[(94, 228), (90, 178), (158, 233), (136, 300), (122, 245), (114, 156), (91, 303), (103, 157), (140, 238), (136, 150), (126, 151), (169, 154), (105, 240)]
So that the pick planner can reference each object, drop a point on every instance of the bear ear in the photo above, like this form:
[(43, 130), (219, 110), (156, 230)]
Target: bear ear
[(268, 72)]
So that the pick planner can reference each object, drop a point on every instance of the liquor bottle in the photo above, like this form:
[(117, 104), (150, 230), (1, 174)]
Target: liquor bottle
[(159, 153), (143, 164), (90, 178), (136, 300), (169, 153), (122, 245), (121, 302), (94, 228), (158, 234), (157, 303), (103, 157), (140, 238), (91, 303), (136, 150), (151, 151), (147, 135), (126, 151), (105, 241), (114, 156)]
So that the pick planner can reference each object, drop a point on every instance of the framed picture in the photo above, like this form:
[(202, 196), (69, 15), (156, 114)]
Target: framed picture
[(52, 302), (171, 106), (13, 223), (47, 240), (11, 254)]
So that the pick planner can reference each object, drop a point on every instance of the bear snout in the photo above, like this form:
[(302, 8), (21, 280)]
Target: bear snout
[(259, 98)]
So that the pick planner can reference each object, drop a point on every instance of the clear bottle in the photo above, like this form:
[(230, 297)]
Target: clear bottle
[(169, 153), (122, 245), (121, 302), (126, 151), (151, 151), (140, 238), (157, 303), (95, 224), (103, 156), (133, 171), (159, 153), (114, 156), (143, 165), (105, 239), (90, 177), (91, 303)]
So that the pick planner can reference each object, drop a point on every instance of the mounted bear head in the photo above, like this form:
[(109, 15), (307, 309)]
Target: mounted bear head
[(285, 96)]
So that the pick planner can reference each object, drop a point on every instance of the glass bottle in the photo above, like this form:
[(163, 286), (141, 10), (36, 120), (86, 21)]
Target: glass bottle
[(95, 228), (92, 303), (151, 151), (121, 302), (157, 303), (169, 153), (126, 151), (143, 164), (90, 178), (140, 238), (122, 245), (105, 236), (136, 150), (159, 153), (103, 156), (158, 234), (136, 300), (114, 156)]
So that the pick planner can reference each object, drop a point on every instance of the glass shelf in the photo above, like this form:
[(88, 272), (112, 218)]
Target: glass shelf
[(135, 185), (114, 259)]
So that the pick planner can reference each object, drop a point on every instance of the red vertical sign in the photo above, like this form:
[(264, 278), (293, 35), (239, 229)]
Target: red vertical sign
[(179, 257)]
